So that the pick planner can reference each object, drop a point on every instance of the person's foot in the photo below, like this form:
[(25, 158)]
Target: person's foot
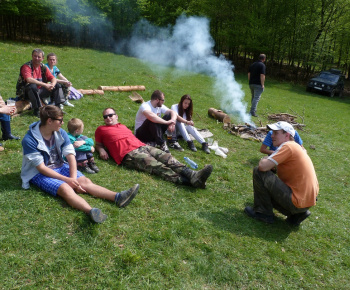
[(67, 103), (296, 219), (191, 146), (259, 216), (123, 198), (92, 165), (199, 178), (164, 147), (175, 145), (205, 148), (97, 216), (86, 169), (254, 114), (10, 137)]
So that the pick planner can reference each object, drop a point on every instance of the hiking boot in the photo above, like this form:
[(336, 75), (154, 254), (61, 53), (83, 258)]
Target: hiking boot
[(92, 165), (296, 219), (164, 147), (191, 146), (123, 198), (259, 216), (205, 148), (175, 145), (198, 178), (97, 216), (86, 169), (254, 115)]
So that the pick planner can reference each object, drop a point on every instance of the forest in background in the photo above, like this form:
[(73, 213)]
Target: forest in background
[(299, 37)]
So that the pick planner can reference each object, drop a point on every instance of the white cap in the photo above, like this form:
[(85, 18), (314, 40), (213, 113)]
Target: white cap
[(282, 126)]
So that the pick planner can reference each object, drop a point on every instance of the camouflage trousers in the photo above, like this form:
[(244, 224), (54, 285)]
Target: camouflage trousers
[(155, 161), (271, 192)]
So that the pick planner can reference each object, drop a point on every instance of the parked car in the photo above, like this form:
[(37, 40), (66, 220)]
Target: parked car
[(330, 82)]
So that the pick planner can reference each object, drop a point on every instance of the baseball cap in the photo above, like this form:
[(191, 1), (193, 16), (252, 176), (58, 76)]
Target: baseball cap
[(281, 125)]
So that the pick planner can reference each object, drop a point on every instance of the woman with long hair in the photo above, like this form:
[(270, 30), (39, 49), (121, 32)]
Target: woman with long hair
[(184, 124)]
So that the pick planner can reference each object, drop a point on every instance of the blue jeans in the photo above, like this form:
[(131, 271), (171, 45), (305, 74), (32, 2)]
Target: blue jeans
[(256, 91)]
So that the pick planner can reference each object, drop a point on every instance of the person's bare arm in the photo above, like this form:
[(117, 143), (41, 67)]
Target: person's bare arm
[(101, 151), (61, 79), (265, 150), (262, 80), (155, 119), (266, 164), (182, 120)]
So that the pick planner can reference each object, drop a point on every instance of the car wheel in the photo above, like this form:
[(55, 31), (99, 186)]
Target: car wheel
[(332, 93)]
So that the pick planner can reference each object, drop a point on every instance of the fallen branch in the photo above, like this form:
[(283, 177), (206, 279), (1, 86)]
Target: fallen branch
[(122, 88), (91, 92)]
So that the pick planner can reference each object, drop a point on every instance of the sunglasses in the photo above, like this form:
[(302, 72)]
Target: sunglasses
[(109, 115), (60, 120)]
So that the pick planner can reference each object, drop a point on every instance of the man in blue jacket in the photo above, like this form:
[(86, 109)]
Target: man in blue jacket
[(43, 165)]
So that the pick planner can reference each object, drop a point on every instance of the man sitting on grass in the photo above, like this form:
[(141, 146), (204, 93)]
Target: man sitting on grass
[(44, 146), (127, 150), (295, 188)]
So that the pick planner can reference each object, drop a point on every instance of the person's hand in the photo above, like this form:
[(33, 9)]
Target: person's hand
[(171, 128), (73, 183), (77, 144), (103, 154), (67, 83), (8, 110), (190, 123), (49, 86), (92, 149)]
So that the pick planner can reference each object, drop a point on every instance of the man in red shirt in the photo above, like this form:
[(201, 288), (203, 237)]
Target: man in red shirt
[(294, 190), (35, 82), (127, 150)]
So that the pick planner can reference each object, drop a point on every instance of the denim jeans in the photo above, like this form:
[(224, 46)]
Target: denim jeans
[(256, 91)]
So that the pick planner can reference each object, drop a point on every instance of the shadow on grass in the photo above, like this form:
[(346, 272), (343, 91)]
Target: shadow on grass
[(11, 181), (236, 221)]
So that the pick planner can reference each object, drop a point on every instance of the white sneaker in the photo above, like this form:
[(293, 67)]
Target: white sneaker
[(66, 103)]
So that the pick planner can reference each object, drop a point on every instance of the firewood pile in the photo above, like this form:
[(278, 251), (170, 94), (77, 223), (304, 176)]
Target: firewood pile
[(247, 131), (291, 119)]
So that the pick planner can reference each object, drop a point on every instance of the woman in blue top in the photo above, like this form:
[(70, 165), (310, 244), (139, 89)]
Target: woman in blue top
[(61, 79)]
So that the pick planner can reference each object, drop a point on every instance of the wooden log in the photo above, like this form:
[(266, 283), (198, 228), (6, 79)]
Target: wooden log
[(122, 88), (219, 115), (22, 105), (91, 92)]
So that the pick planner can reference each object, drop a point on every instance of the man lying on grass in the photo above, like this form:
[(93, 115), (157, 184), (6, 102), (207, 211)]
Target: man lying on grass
[(44, 146), (127, 150), (295, 188)]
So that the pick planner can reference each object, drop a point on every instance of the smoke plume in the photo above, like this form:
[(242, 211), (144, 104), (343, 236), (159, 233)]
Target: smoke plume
[(189, 46)]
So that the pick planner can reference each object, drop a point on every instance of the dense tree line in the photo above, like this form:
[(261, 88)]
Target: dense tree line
[(305, 35)]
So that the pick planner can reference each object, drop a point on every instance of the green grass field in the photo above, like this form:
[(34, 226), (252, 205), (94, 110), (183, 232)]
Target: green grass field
[(174, 236)]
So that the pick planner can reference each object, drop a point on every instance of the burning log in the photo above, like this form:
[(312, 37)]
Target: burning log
[(219, 115), (122, 88), (91, 92)]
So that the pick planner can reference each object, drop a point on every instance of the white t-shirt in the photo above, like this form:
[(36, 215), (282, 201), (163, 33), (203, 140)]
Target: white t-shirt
[(140, 117), (175, 108)]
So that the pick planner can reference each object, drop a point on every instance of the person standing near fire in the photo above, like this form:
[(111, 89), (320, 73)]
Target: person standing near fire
[(256, 78)]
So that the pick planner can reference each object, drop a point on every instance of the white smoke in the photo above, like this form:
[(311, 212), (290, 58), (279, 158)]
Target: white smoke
[(189, 46)]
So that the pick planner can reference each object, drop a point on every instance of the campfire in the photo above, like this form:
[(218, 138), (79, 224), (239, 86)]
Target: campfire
[(249, 131)]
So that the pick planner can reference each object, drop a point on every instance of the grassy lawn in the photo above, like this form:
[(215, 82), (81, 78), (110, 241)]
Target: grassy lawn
[(174, 236)]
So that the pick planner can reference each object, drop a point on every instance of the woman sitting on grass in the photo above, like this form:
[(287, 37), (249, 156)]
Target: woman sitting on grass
[(184, 124)]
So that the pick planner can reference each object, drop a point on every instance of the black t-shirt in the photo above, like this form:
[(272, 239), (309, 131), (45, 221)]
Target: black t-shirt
[(256, 69)]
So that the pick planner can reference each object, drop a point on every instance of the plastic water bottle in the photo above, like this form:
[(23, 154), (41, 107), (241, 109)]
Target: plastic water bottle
[(191, 163)]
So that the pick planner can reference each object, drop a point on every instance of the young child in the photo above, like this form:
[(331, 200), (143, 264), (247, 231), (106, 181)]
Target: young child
[(84, 146)]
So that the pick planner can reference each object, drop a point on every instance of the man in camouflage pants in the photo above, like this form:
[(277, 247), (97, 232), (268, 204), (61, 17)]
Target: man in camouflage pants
[(126, 149)]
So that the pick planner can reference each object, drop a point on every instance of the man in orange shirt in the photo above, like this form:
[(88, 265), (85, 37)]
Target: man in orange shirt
[(294, 190), (35, 83)]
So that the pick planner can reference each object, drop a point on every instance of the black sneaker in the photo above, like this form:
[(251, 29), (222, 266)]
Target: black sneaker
[(296, 219), (175, 145), (164, 147), (259, 216), (93, 166), (123, 198), (205, 147), (191, 146), (86, 169), (97, 216)]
